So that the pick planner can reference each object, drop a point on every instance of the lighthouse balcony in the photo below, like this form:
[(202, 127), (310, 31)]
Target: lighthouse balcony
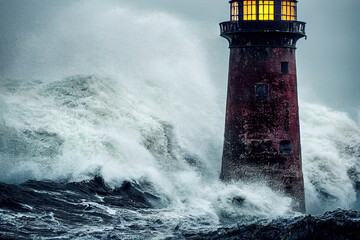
[(263, 33), (232, 27)]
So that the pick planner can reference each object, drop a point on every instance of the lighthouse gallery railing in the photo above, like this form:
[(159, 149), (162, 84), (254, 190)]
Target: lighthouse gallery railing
[(262, 26)]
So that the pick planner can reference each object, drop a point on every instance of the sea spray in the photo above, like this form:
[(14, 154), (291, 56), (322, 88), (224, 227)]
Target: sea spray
[(331, 156)]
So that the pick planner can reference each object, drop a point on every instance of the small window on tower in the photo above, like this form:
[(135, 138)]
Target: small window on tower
[(285, 67), (262, 92), (285, 147)]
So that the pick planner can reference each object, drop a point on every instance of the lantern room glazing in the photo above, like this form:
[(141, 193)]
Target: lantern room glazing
[(260, 10)]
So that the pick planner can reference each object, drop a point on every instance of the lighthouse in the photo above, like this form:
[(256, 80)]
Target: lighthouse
[(262, 132)]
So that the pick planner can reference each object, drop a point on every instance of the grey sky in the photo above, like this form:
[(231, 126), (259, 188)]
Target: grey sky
[(328, 62)]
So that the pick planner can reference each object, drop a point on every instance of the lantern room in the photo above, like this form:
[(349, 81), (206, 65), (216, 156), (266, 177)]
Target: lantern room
[(276, 10)]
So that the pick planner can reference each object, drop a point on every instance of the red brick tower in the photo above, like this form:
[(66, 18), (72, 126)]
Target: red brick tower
[(262, 134)]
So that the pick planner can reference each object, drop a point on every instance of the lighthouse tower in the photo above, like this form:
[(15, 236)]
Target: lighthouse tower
[(262, 133)]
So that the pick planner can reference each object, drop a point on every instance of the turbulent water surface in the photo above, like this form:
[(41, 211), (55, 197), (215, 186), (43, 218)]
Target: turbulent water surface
[(102, 136)]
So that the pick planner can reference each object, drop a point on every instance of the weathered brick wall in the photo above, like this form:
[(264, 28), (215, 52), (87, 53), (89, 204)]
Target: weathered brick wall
[(262, 135)]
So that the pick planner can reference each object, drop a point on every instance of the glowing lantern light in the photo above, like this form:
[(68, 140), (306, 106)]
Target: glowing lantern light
[(263, 10)]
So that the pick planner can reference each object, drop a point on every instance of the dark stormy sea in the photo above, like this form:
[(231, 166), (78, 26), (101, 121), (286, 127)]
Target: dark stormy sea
[(105, 137)]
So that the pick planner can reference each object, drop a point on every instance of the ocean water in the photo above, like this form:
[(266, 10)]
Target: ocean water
[(113, 129)]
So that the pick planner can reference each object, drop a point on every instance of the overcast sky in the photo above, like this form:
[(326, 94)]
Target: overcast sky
[(328, 61)]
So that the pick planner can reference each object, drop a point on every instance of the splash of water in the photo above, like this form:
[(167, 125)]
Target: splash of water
[(331, 153)]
